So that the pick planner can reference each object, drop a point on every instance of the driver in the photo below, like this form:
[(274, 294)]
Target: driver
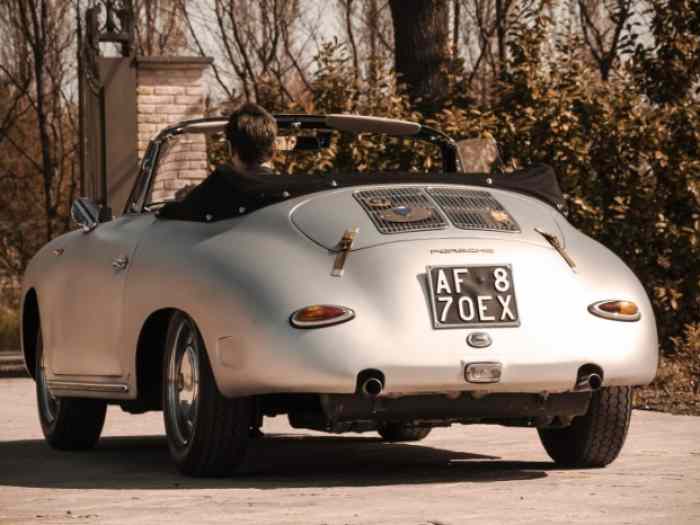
[(250, 134)]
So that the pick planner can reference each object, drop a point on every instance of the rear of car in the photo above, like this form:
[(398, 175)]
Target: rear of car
[(388, 302)]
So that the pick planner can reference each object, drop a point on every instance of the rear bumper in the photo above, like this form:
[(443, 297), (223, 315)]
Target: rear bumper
[(329, 361)]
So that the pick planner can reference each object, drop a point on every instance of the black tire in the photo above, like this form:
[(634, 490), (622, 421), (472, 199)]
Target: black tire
[(67, 423), (209, 436), (595, 439), (402, 432)]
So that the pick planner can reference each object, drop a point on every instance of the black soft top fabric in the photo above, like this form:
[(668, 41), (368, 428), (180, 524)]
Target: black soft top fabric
[(225, 193)]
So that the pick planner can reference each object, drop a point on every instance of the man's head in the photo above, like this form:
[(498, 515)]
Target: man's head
[(251, 133)]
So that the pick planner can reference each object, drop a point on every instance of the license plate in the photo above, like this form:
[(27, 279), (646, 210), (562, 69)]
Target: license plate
[(467, 296)]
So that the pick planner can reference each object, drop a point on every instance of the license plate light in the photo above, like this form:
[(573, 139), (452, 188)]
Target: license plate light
[(482, 372)]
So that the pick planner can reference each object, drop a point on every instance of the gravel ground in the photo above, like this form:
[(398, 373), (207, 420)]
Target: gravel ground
[(457, 475)]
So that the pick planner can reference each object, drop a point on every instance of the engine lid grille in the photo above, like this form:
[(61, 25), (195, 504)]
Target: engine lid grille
[(473, 210), (400, 210)]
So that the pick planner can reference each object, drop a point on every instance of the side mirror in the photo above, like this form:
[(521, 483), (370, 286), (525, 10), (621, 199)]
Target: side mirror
[(85, 213)]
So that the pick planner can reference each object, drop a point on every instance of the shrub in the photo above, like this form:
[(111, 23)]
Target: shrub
[(9, 329), (628, 165)]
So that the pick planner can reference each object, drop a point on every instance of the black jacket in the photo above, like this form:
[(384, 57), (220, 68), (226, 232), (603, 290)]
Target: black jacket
[(222, 195)]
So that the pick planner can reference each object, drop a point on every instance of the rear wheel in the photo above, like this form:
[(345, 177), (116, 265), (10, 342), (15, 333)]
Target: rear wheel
[(402, 432), (67, 423), (596, 438), (207, 434)]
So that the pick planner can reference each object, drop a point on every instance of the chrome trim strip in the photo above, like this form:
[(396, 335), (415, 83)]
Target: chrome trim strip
[(88, 387)]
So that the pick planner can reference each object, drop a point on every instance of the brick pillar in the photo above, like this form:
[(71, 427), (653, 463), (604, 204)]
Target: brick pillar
[(170, 90)]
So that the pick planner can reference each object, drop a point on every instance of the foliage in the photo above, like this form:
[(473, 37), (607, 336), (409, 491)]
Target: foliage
[(677, 385), (628, 165), (9, 329), (625, 144), (670, 68)]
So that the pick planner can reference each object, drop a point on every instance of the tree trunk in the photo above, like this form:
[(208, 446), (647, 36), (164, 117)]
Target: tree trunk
[(421, 37), (456, 19), (373, 35), (501, 35)]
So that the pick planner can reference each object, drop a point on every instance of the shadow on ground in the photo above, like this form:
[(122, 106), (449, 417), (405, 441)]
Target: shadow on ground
[(281, 461)]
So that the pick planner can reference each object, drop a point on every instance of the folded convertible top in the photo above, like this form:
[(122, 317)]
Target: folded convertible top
[(253, 192), (538, 181)]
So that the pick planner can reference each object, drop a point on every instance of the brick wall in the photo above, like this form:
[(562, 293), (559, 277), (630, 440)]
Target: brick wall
[(170, 90)]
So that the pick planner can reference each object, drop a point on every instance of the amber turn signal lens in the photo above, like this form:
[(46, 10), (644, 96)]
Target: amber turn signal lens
[(318, 315), (616, 310)]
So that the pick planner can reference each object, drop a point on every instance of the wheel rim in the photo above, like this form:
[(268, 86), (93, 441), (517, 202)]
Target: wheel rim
[(183, 384), (49, 402)]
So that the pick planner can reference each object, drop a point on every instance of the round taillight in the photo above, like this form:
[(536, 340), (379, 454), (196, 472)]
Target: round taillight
[(318, 315), (616, 310)]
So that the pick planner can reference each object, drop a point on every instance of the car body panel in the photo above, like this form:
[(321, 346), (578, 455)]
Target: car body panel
[(240, 279)]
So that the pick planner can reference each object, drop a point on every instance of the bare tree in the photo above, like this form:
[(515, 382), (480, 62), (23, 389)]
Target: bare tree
[(480, 36), (257, 45), (160, 26), (347, 9), (603, 25), (368, 30), (38, 149), (456, 16)]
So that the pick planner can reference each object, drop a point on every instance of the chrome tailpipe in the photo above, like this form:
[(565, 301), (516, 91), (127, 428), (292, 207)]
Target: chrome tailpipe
[(371, 387), (592, 382), (370, 383)]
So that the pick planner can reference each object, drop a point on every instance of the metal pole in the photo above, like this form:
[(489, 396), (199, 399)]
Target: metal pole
[(81, 103), (105, 210)]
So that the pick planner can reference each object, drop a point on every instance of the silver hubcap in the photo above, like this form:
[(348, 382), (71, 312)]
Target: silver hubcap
[(183, 384), (49, 403)]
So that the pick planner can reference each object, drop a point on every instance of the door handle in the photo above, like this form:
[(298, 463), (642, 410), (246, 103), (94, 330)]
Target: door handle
[(120, 263)]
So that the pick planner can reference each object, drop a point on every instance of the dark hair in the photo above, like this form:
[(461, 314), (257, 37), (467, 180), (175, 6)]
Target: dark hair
[(251, 131)]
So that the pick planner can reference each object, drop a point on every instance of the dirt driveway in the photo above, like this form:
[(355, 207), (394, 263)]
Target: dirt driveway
[(476, 474)]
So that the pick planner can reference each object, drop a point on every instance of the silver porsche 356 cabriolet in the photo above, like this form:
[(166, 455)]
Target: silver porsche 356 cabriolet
[(391, 302)]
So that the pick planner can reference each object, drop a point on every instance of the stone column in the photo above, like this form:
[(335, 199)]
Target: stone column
[(170, 90)]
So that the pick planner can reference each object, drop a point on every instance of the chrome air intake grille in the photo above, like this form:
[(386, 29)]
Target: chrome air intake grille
[(473, 210), (400, 210)]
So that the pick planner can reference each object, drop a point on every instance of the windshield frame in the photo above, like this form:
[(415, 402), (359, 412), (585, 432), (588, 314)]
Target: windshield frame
[(449, 151)]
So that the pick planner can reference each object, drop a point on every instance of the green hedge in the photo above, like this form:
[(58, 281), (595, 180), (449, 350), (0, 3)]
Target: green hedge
[(628, 164), (9, 329)]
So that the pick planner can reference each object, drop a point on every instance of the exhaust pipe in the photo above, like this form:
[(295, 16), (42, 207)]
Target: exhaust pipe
[(371, 387), (370, 383), (591, 382)]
